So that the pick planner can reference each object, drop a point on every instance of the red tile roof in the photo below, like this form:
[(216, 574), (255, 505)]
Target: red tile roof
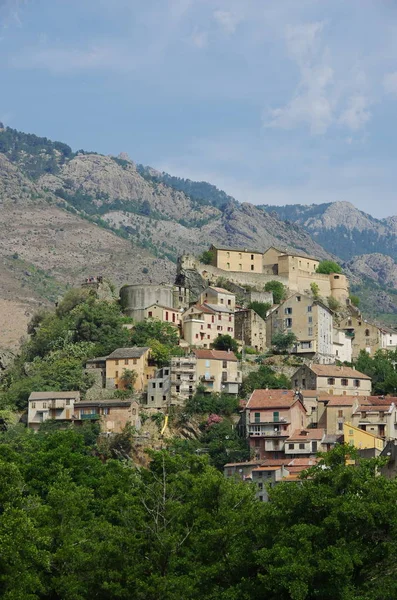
[(272, 399), (344, 400), (306, 434), (214, 354)]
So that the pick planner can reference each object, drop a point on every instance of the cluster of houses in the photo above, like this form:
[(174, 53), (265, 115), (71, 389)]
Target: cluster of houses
[(329, 404)]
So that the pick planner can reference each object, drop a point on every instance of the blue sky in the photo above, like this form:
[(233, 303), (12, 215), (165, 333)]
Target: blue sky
[(274, 101)]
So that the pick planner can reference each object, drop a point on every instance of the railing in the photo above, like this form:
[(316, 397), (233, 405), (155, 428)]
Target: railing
[(210, 378), (91, 416)]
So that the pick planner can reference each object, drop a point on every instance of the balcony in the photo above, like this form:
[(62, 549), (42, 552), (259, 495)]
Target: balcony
[(268, 433), (90, 417), (204, 378)]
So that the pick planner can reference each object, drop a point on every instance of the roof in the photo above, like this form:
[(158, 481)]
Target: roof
[(53, 395), (272, 399), (163, 306), (219, 290), (199, 308), (135, 352), (306, 434), (314, 394), (219, 308), (344, 400), (97, 359), (244, 464), (236, 249), (267, 468), (207, 354), (334, 371), (110, 402), (368, 408)]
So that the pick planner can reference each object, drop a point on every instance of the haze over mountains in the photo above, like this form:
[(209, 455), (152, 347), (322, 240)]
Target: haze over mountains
[(67, 215)]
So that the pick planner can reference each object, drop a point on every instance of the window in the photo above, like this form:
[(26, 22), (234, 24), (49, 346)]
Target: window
[(197, 335), (298, 298), (160, 384), (344, 381), (221, 301), (252, 267), (240, 267), (224, 375), (295, 383), (257, 443), (310, 319), (178, 388), (117, 363), (224, 364), (152, 398), (44, 404), (340, 414), (208, 326), (166, 315), (367, 332), (252, 257), (68, 402), (303, 382), (340, 426), (331, 380), (276, 416), (257, 417), (154, 385), (240, 255), (288, 322), (116, 374), (356, 382), (314, 446), (310, 331), (228, 265), (230, 319), (228, 254), (288, 310), (134, 361), (33, 404), (126, 361), (301, 446), (106, 411), (173, 317), (309, 309), (291, 446), (219, 317), (150, 314)]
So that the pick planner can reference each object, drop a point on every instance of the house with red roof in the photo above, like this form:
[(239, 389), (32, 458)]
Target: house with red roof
[(377, 415), (332, 379), (217, 370), (305, 442), (202, 323), (269, 418)]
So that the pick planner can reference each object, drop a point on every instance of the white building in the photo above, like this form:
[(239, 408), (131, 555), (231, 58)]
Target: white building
[(388, 338), (342, 346)]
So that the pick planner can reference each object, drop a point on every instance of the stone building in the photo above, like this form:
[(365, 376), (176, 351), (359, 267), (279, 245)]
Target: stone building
[(159, 389), (218, 371), (310, 320), (339, 381), (250, 328), (43, 406), (237, 259), (112, 415), (202, 323), (364, 335)]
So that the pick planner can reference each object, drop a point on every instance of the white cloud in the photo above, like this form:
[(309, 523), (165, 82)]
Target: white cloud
[(357, 113), (199, 39), (227, 20), (390, 83)]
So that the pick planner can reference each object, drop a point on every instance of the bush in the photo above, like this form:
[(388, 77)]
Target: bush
[(225, 342), (279, 291), (355, 300), (204, 403), (326, 267), (333, 303), (260, 308), (207, 257), (282, 342)]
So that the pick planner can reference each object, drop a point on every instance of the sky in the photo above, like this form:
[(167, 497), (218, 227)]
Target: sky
[(274, 101)]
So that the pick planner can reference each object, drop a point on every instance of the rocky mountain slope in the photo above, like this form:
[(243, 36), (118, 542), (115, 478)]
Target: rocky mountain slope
[(65, 216), (357, 232)]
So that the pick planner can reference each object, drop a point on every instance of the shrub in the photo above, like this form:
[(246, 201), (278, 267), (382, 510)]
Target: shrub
[(328, 266), (279, 290)]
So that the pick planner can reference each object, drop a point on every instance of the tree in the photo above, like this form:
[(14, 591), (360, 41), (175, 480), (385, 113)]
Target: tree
[(225, 342), (279, 290), (264, 378), (128, 379), (315, 290), (153, 329), (333, 303), (207, 257), (355, 300), (260, 308), (326, 267), (381, 369), (160, 353), (282, 342)]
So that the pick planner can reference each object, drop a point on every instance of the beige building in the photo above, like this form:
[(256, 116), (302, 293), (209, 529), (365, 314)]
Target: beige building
[(202, 323), (250, 328), (183, 378), (43, 406), (364, 335), (218, 371), (269, 418), (218, 297), (305, 442), (339, 381), (112, 415), (379, 418), (237, 259), (342, 346), (133, 359), (163, 313), (388, 338), (310, 320), (339, 410)]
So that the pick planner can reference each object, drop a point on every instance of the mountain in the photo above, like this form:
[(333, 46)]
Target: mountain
[(67, 215), (357, 232)]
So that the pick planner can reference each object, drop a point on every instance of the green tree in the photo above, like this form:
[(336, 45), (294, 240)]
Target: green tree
[(207, 257), (326, 267), (381, 368), (225, 342), (264, 378), (283, 342), (315, 290), (160, 353), (333, 303), (260, 308), (355, 300), (153, 329), (279, 290), (128, 379)]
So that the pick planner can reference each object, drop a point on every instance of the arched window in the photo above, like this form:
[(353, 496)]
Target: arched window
[(228, 265)]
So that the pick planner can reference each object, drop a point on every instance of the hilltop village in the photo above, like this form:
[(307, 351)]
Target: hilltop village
[(276, 334)]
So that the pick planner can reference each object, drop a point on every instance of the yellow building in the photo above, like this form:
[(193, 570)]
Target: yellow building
[(218, 371), (237, 259), (133, 359), (361, 439)]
